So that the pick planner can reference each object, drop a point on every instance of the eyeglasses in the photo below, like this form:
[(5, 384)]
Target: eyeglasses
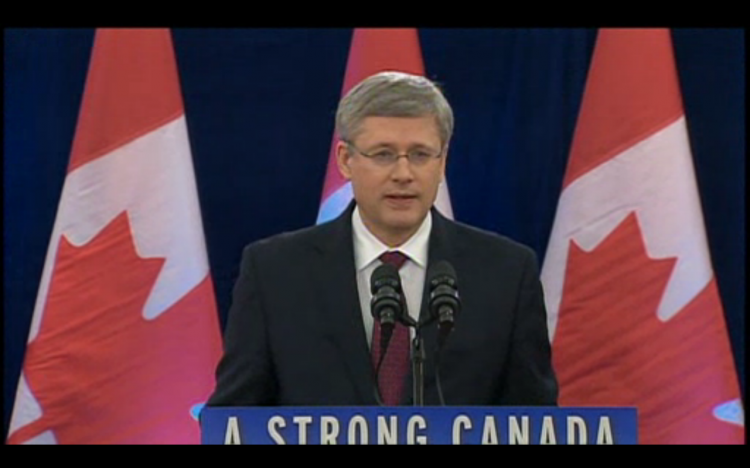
[(388, 157)]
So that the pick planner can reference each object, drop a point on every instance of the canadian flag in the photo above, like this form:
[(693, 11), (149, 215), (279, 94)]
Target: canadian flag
[(373, 51), (125, 335), (634, 311)]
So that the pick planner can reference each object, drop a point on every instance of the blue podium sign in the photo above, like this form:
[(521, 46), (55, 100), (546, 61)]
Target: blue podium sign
[(419, 425)]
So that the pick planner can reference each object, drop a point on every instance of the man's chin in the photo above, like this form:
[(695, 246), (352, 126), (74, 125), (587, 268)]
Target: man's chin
[(404, 220)]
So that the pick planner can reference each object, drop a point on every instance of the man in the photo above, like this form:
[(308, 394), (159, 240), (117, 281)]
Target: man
[(300, 331)]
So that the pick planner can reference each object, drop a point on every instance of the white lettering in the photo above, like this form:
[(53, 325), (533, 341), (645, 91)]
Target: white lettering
[(604, 436), (302, 422), (459, 423), (329, 430), (232, 436), (518, 434), (387, 435), (548, 436), (489, 433), (411, 431), (358, 424), (576, 425), (274, 423)]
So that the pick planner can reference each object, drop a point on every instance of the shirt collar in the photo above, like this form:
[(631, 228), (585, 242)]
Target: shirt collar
[(367, 247)]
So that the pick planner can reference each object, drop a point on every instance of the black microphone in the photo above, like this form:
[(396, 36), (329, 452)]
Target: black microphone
[(387, 307), (445, 302), (386, 303), (444, 305)]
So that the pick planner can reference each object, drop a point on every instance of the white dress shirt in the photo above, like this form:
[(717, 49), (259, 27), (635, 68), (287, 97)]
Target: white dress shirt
[(367, 250)]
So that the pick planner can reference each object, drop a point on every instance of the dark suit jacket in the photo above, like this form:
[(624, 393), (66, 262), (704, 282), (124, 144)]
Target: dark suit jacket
[(294, 334)]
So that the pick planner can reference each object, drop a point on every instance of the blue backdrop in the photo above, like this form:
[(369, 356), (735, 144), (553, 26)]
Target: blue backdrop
[(260, 110)]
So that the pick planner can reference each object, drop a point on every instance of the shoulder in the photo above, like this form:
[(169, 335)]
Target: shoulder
[(471, 238), (287, 243)]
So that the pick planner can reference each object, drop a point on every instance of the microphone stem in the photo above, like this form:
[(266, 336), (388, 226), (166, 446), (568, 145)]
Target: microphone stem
[(418, 358)]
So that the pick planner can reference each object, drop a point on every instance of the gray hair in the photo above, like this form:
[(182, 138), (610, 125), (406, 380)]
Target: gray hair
[(393, 94)]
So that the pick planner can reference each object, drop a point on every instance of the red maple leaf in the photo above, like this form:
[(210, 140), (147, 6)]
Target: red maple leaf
[(100, 371), (611, 349)]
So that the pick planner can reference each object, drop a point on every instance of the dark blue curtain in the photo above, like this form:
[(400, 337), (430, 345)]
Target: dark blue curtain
[(260, 107)]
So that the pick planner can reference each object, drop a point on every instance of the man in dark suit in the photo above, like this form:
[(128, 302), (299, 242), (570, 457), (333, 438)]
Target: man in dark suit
[(300, 331)]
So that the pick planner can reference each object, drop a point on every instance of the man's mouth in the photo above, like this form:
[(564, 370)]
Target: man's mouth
[(401, 196), (400, 201)]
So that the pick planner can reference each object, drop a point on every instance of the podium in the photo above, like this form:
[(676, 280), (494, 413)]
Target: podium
[(402, 425)]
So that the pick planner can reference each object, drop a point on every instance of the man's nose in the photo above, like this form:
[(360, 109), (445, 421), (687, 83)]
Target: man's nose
[(402, 170)]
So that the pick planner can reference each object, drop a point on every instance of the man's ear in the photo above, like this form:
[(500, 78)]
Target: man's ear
[(343, 158)]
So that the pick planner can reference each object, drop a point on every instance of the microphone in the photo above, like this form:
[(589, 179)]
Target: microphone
[(445, 302), (444, 305), (386, 303), (387, 307)]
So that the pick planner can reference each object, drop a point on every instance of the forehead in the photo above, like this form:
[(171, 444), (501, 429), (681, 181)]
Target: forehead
[(398, 131)]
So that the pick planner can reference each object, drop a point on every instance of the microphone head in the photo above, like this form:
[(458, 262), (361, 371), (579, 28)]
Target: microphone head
[(444, 299), (385, 275), (442, 273), (386, 304)]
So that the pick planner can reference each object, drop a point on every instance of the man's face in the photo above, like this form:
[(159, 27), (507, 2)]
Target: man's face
[(393, 199)]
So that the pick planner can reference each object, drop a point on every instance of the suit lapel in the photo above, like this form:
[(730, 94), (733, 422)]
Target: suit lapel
[(340, 305)]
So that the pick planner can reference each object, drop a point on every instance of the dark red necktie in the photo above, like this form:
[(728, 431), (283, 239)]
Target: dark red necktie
[(396, 362)]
